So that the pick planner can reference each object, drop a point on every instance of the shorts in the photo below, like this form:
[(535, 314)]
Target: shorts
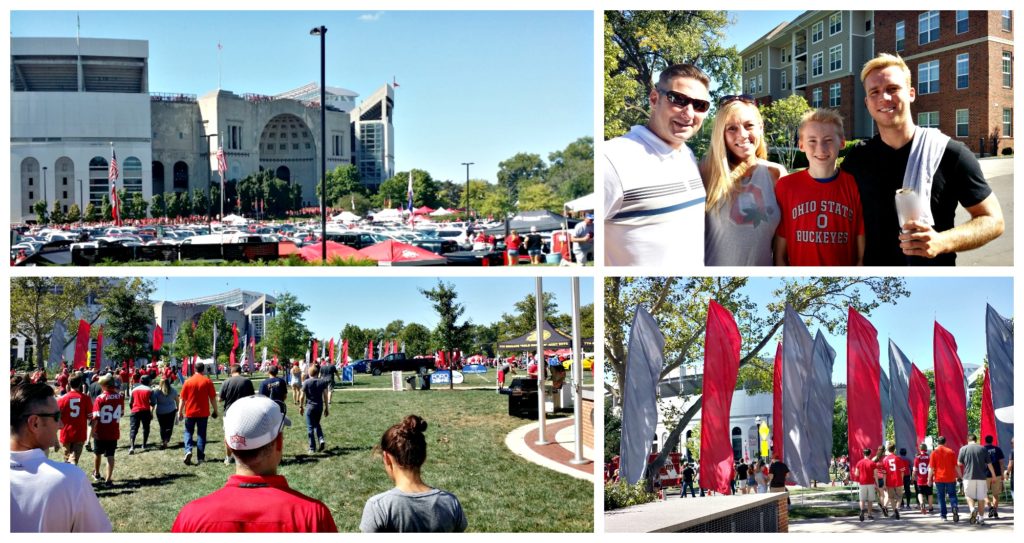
[(867, 492), (296, 385), (581, 257), (741, 484), (924, 490), (104, 447), (73, 449), (995, 486), (976, 489), (534, 252)]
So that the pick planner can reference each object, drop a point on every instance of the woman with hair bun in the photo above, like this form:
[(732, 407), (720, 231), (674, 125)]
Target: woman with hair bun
[(412, 506)]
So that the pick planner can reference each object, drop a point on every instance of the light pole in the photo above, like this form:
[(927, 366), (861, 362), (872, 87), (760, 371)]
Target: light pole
[(45, 199), (467, 165), (81, 200), (322, 32)]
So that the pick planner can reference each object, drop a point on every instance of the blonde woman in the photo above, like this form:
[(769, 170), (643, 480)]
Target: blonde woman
[(741, 213)]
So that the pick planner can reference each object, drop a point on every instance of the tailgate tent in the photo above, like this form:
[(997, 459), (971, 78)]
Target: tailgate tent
[(552, 339), (544, 221), (395, 253)]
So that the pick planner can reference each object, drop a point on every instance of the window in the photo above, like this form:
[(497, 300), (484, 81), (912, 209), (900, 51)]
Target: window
[(760, 58), (234, 137), (901, 35), (282, 147), (868, 23), (1007, 69), (65, 195), (760, 85), (928, 77), (834, 93), (817, 31), (962, 70), (835, 58), (1007, 123), (336, 145), (31, 195), (1008, 20), (65, 183), (817, 64), (927, 27), (961, 21), (132, 175), (835, 24), (31, 181), (785, 80), (816, 97), (961, 123), (295, 146), (928, 119)]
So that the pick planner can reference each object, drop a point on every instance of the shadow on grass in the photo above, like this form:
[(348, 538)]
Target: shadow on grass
[(131, 486)]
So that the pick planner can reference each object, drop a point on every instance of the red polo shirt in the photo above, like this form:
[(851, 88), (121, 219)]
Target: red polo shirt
[(255, 504)]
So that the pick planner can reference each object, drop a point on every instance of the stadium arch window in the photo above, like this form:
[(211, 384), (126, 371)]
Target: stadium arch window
[(283, 173), (99, 182), (29, 172), (180, 176), (132, 175), (158, 177)]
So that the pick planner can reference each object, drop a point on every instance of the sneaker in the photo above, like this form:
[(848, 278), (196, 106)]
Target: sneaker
[(995, 514), (322, 444), (131, 451), (229, 460), (96, 477), (931, 510), (311, 451), (885, 511), (974, 516), (188, 458), (922, 510), (871, 517), (896, 514), (944, 519), (862, 515), (956, 515)]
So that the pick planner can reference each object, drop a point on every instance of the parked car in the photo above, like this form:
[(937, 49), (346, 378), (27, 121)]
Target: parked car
[(399, 362), (436, 245)]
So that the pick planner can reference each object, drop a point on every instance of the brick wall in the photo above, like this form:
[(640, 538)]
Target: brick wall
[(588, 423), (783, 513), (847, 100)]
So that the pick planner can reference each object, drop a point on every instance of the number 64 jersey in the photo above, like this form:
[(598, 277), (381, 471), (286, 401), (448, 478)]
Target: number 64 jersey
[(75, 410), (106, 411)]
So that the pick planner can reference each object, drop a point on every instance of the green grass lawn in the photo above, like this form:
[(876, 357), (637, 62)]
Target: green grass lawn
[(466, 455)]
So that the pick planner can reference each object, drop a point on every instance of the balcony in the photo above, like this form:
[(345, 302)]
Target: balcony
[(800, 50), (801, 82)]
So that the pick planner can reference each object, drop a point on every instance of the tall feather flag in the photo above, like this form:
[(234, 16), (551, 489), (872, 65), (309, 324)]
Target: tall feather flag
[(820, 409), (409, 194), (777, 442), (158, 342), (999, 340), (99, 349), (864, 416), (344, 353), (639, 394), (721, 366), (950, 392), (234, 342), (57, 342), (797, 368), (899, 396), (330, 354), (82, 344), (920, 401), (988, 414)]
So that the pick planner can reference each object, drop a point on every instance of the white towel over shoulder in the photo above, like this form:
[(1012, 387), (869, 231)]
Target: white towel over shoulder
[(925, 154)]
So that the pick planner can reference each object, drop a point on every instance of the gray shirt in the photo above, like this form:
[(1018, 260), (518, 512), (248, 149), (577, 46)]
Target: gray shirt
[(582, 230), (739, 231), (975, 460), (165, 403), (396, 511)]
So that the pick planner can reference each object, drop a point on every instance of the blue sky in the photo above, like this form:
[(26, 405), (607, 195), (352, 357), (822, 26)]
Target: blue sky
[(751, 25), (374, 302), (473, 86), (958, 304)]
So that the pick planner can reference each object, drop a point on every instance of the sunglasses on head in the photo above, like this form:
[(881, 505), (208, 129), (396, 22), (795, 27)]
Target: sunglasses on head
[(745, 98), (681, 100)]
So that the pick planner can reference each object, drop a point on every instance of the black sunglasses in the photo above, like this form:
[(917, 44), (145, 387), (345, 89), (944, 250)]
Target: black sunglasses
[(681, 100), (745, 98), (55, 415)]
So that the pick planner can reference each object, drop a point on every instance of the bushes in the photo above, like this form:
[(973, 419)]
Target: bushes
[(620, 494)]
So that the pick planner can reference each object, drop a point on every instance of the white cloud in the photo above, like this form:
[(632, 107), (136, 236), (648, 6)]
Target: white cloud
[(370, 17)]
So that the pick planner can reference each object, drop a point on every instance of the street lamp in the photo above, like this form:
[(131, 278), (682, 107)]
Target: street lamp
[(45, 199), (322, 32), (81, 200), (467, 165)]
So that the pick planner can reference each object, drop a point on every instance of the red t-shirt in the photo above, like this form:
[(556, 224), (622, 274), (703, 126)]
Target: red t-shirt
[(107, 411), (125, 376), (169, 375), (141, 399), (865, 471), (921, 468), (512, 242), (196, 395), (74, 413), (820, 219), (255, 504), (895, 467)]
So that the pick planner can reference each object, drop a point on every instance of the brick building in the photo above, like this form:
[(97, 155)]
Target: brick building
[(961, 64)]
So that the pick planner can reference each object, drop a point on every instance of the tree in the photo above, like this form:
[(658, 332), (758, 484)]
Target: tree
[(451, 194), (524, 318), (449, 333), (494, 203), (781, 126), (136, 206), (200, 204), (92, 213), (571, 170), (106, 209), (57, 214), (537, 195), (157, 206), (840, 427), (974, 403), (39, 208), (612, 433), (185, 342), (680, 307), (39, 302), (517, 170), (355, 202), (129, 320), (176, 204), (416, 338), (202, 338), (395, 190), (478, 191), (639, 44), (74, 213), (341, 182), (287, 334), (484, 338)]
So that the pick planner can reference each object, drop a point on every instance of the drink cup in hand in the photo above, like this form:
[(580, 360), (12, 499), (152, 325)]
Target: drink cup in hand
[(907, 206)]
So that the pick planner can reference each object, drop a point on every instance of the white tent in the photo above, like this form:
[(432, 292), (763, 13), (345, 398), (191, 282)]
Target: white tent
[(583, 203), (388, 215), (346, 217), (235, 220), (440, 212)]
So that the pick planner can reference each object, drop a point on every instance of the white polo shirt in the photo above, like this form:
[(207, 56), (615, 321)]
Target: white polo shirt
[(48, 496), (654, 203)]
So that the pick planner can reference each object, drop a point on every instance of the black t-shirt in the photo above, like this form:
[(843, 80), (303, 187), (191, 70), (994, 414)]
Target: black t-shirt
[(741, 472), (314, 391), (778, 472), (533, 242), (995, 455), (879, 171), (234, 388), (275, 388), (688, 475), (328, 371)]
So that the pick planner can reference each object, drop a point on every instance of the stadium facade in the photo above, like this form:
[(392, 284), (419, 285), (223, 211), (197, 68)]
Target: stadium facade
[(75, 101)]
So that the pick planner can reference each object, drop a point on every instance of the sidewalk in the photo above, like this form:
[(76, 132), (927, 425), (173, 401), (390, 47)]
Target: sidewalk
[(558, 454), (910, 522)]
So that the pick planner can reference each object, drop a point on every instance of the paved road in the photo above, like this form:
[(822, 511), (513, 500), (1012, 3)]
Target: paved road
[(910, 521), (998, 252)]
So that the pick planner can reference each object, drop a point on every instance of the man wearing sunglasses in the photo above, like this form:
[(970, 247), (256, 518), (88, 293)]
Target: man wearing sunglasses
[(654, 196), (46, 496)]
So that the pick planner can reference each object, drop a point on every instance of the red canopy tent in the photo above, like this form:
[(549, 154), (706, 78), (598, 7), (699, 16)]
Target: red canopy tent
[(314, 251), (395, 253), (285, 248), (422, 210)]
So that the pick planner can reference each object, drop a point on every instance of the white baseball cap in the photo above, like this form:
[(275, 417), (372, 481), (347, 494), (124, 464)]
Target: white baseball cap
[(254, 421)]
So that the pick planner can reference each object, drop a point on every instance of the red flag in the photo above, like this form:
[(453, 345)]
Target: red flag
[(394, 345), (864, 413), (112, 175), (234, 344), (920, 400), (344, 353), (330, 349), (371, 350), (315, 351), (98, 363), (950, 395), (777, 436), (222, 166), (158, 338), (82, 344), (721, 365), (988, 413)]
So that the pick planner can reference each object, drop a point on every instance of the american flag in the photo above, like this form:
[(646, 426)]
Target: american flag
[(222, 164), (112, 174)]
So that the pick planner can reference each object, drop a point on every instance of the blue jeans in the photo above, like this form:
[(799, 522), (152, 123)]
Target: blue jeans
[(197, 425), (682, 493), (313, 429), (944, 489)]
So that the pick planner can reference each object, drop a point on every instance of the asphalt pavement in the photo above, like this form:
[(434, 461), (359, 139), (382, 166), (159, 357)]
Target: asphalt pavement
[(998, 252)]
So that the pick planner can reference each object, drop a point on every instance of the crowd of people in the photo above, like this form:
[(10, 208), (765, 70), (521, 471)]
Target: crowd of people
[(83, 411), (753, 212)]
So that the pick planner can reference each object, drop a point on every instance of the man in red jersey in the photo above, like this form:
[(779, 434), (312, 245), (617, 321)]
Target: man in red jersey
[(74, 412), (923, 488), (895, 467), (141, 404), (125, 375), (106, 426), (864, 474), (255, 498), (198, 403)]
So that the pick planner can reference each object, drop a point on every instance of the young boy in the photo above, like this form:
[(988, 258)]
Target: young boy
[(822, 224)]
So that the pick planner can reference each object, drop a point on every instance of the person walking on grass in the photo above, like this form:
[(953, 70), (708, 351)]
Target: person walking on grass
[(75, 408), (864, 475), (976, 469), (313, 400), (235, 388), (165, 400), (106, 427), (198, 403), (943, 471)]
